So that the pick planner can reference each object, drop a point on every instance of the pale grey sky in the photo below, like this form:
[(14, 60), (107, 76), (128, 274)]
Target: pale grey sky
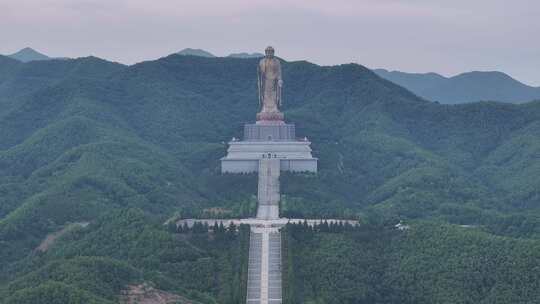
[(444, 36)]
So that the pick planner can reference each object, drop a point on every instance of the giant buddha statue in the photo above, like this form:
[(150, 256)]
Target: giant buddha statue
[(270, 85)]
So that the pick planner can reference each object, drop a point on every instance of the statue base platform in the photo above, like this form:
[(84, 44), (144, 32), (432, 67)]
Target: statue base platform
[(269, 140), (244, 156), (269, 131), (270, 117)]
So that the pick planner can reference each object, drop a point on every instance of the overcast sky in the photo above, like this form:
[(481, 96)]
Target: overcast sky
[(444, 36)]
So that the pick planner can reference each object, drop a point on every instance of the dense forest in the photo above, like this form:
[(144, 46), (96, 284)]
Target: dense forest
[(125, 148), (95, 264), (425, 263)]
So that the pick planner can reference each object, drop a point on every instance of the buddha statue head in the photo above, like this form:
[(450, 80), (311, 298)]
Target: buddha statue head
[(269, 51)]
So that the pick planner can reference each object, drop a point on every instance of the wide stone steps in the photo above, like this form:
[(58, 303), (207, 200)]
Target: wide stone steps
[(264, 270), (268, 188)]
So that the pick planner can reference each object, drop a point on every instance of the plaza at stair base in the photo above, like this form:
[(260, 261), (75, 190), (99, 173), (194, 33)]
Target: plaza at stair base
[(256, 222)]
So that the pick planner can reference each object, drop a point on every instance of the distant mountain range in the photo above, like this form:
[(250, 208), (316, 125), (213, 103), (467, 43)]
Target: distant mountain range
[(466, 87), (29, 54), (196, 52), (203, 53)]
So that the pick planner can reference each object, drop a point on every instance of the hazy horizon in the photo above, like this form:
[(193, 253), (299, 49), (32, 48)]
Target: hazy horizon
[(411, 36)]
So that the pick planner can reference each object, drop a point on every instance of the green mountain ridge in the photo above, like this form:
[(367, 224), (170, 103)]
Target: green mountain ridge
[(166, 104), (391, 266), (85, 138)]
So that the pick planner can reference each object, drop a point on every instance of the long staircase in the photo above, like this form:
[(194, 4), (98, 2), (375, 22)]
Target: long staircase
[(268, 189), (264, 270)]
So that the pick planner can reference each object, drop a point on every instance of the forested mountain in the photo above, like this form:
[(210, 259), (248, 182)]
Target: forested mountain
[(427, 263), (466, 87), (127, 147)]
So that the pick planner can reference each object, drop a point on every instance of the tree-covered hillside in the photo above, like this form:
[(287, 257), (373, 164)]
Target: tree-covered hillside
[(81, 139), (426, 263), (97, 263)]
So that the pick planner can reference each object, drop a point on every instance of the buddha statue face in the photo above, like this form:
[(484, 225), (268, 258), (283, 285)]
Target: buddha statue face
[(269, 51)]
